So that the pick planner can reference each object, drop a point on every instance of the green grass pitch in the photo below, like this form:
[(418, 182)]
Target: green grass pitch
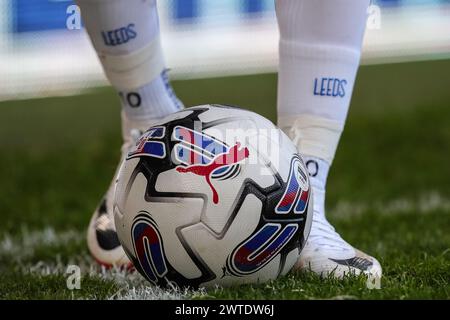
[(388, 190)]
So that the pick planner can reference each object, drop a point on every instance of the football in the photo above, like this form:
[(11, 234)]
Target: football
[(213, 195)]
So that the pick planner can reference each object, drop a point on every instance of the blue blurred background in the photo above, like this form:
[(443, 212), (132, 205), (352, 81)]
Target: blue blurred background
[(43, 52), (39, 15)]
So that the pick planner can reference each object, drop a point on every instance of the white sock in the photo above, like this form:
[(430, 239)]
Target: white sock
[(318, 173), (153, 100), (125, 35), (320, 47)]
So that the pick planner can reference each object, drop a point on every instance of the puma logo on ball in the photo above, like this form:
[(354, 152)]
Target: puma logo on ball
[(232, 156)]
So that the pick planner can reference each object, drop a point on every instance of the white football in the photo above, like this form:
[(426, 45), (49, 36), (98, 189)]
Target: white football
[(213, 195)]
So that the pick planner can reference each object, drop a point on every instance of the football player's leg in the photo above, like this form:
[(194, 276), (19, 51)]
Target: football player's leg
[(319, 48), (126, 37)]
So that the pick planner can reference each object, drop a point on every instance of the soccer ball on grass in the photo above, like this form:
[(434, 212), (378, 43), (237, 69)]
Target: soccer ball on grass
[(213, 195)]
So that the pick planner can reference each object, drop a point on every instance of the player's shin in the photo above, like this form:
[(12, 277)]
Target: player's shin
[(126, 37), (319, 48), (319, 51)]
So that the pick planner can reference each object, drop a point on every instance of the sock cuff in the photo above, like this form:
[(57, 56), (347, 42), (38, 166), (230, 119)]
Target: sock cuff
[(135, 69), (319, 52), (314, 136)]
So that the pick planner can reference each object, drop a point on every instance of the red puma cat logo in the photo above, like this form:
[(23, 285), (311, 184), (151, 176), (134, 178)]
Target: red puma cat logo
[(232, 156)]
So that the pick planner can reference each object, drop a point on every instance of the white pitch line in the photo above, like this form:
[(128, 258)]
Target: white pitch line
[(424, 204), (132, 285), (27, 242)]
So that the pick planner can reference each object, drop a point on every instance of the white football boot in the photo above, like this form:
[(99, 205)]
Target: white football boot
[(102, 239), (325, 252)]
